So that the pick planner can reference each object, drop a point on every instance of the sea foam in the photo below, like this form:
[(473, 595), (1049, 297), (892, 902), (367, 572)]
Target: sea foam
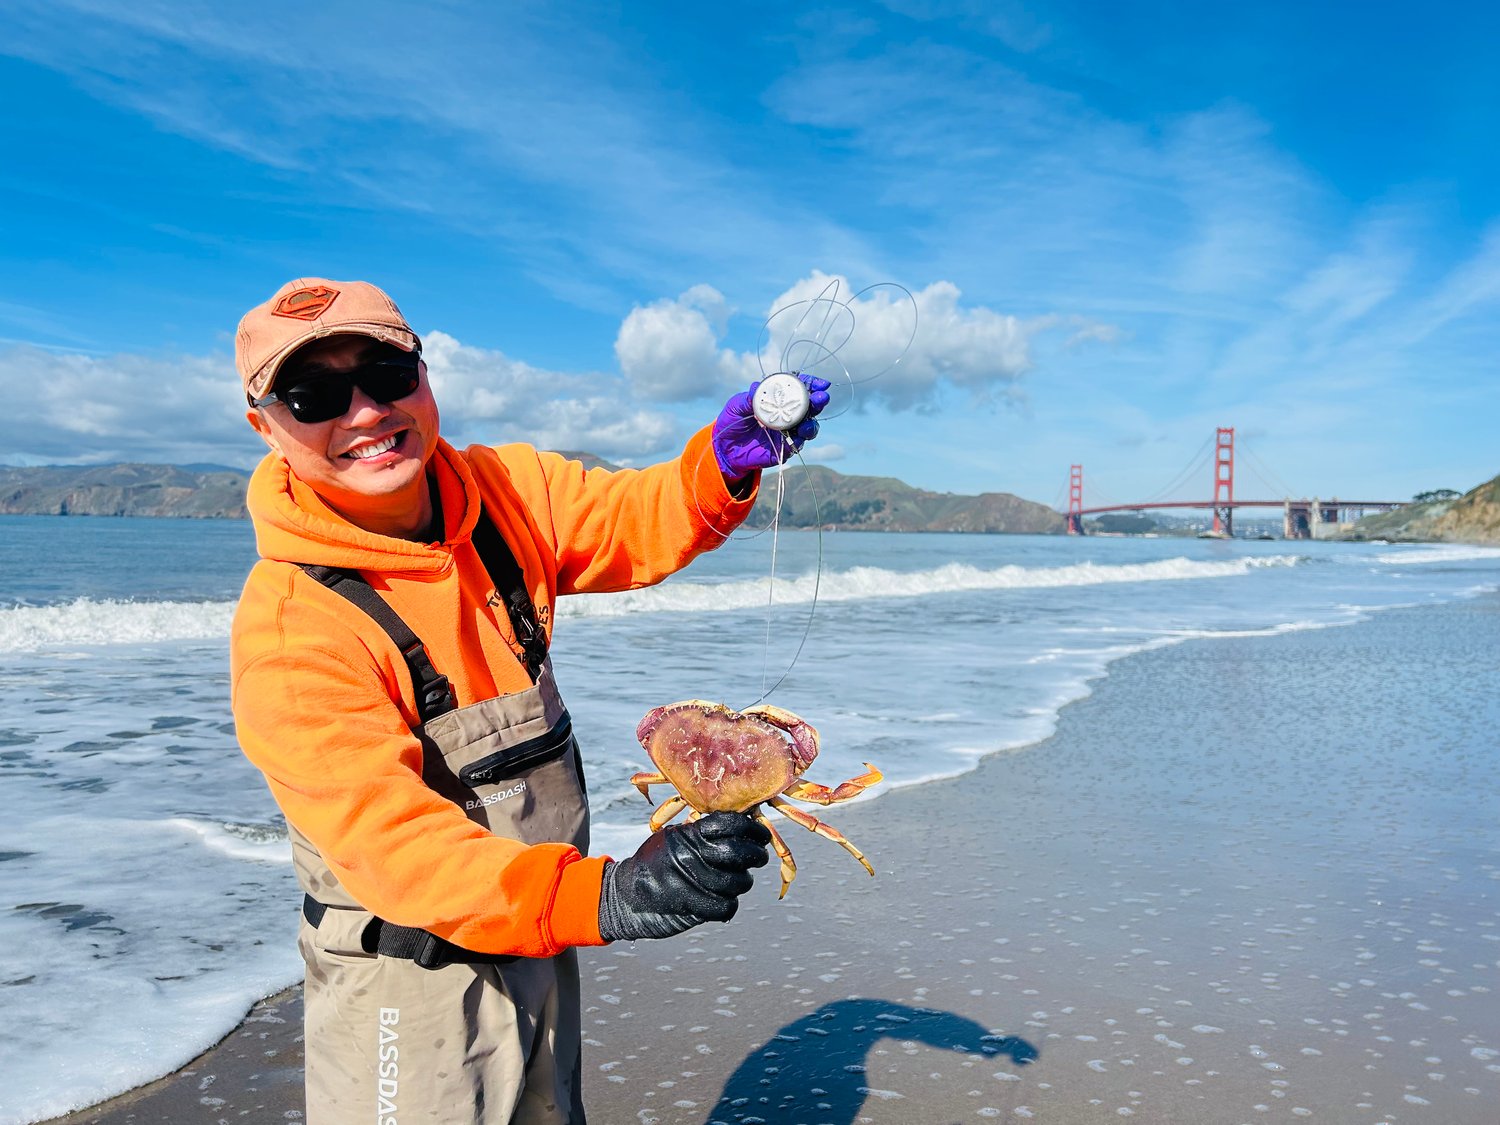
[(89, 622), (255, 842), (865, 582), (1440, 553), (84, 621)]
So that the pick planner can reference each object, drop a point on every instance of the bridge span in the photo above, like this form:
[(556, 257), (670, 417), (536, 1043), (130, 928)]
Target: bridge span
[(1301, 518)]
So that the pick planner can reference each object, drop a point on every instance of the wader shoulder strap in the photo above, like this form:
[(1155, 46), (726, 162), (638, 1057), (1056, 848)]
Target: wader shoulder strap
[(510, 584), (433, 693), (435, 697)]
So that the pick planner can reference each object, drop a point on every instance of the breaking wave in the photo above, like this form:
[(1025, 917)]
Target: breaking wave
[(86, 622), (865, 582)]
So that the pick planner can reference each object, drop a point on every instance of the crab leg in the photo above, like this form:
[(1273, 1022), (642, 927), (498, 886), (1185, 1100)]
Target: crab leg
[(813, 824), (643, 781), (822, 795), (670, 808), (783, 853)]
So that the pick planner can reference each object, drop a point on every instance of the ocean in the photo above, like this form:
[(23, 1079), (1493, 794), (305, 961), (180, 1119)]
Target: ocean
[(146, 891)]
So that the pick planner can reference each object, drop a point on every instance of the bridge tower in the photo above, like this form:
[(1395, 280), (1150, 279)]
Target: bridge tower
[(1075, 500), (1224, 481)]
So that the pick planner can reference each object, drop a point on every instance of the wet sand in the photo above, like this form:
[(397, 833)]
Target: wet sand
[(1248, 880)]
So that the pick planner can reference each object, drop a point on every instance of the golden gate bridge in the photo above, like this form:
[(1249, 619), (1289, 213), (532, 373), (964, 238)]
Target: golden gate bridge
[(1301, 518)]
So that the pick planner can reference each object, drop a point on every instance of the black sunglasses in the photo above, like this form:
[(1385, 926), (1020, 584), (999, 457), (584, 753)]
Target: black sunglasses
[(321, 395)]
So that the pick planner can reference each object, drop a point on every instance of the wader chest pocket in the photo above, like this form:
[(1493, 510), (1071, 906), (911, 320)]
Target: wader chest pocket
[(518, 758)]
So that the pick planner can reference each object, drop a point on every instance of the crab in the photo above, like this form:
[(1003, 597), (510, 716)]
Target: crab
[(722, 760)]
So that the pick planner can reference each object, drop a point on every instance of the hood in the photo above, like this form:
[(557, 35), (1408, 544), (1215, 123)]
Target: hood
[(293, 524)]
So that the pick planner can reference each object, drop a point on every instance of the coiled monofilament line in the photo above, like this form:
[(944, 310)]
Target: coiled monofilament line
[(811, 335), (816, 330)]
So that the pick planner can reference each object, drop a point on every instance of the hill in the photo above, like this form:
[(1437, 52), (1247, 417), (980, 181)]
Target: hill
[(1473, 517), (123, 490), (815, 496)]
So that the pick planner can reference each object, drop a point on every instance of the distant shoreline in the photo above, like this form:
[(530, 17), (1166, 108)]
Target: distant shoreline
[(121, 516), (856, 530), (815, 496)]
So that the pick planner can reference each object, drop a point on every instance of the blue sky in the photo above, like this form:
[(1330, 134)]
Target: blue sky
[(1122, 225)]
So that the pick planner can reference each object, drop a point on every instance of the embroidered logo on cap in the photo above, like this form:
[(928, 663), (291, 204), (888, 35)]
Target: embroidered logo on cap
[(306, 304)]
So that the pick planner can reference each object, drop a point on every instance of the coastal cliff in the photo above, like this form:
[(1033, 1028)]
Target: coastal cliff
[(1473, 517), (194, 492), (815, 496)]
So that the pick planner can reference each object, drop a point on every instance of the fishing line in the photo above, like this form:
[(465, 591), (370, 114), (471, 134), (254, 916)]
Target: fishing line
[(814, 336), (810, 337), (771, 585), (774, 528)]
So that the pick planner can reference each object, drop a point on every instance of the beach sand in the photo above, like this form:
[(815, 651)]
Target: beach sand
[(1247, 880)]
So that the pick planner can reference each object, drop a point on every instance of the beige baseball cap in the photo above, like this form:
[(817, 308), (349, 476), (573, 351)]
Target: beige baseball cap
[(306, 309)]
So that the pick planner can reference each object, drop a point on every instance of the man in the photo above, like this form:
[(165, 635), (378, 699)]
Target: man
[(391, 680)]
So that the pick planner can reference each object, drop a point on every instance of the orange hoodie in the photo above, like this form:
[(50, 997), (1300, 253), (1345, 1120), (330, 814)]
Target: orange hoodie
[(323, 701)]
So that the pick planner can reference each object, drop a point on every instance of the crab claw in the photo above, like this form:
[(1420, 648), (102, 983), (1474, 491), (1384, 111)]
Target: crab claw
[(804, 735)]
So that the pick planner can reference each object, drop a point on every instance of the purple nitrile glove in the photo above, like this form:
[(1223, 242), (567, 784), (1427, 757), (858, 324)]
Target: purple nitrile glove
[(742, 445)]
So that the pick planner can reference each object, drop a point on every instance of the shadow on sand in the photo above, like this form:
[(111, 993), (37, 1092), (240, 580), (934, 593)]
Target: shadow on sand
[(813, 1070)]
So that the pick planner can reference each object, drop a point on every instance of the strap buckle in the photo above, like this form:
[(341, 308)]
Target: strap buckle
[(429, 952)]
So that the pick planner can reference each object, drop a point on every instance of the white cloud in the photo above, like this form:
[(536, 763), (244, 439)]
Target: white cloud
[(485, 396), (81, 409), (905, 347), (823, 453), (976, 348), (883, 341), (669, 350), (71, 407)]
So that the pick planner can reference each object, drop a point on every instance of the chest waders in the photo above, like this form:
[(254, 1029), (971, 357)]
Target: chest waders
[(402, 1027)]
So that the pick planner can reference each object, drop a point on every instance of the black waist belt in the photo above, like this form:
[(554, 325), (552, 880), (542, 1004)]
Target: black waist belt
[(407, 942)]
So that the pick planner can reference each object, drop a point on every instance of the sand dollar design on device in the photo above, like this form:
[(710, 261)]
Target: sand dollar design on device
[(781, 401)]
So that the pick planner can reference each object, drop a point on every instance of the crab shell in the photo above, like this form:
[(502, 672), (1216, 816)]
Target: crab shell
[(722, 760)]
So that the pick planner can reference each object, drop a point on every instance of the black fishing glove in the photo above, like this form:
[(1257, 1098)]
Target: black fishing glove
[(683, 875)]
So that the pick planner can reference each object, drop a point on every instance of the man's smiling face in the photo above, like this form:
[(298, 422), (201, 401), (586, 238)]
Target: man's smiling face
[(369, 464)]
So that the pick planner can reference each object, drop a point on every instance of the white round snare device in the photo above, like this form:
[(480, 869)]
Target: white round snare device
[(781, 401)]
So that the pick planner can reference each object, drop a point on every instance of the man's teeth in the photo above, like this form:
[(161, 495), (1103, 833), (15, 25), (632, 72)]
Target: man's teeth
[(374, 450)]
